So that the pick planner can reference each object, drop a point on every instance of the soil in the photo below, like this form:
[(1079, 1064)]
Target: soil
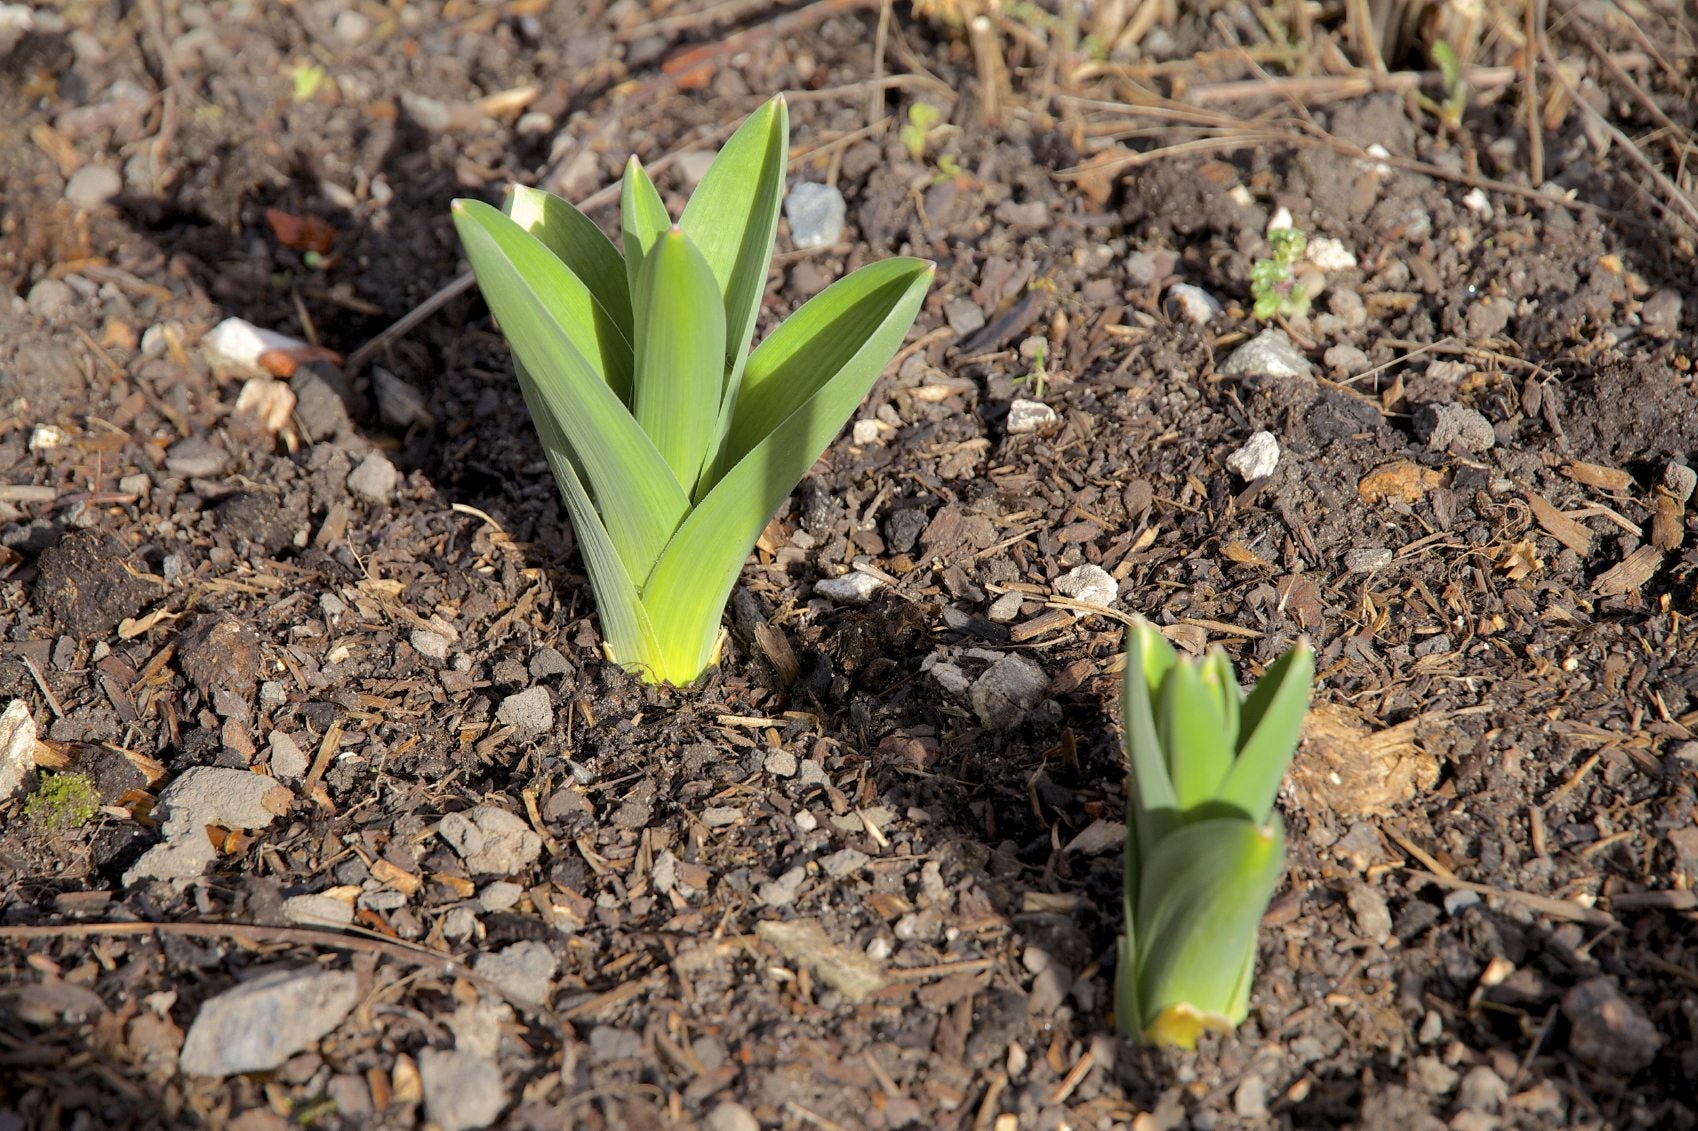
[(826, 888)]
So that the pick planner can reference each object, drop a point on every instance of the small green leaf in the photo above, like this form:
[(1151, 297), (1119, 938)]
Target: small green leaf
[(1269, 727), (1152, 806), (1193, 736), (642, 219), (680, 353)]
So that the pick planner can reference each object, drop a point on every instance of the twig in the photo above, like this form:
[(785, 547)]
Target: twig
[(1535, 33)]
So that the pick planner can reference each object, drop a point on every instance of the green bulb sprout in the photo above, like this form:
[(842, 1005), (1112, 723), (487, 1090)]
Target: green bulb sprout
[(672, 444), (1204, 847)]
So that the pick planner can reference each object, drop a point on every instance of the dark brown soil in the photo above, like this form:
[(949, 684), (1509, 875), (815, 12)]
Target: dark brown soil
[(826, 888)]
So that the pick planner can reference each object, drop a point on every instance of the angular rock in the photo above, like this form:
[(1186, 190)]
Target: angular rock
[(462, 1090), (374, 480), (1193, 303), (1443, 427), (1268, 354), (853, 588), (1091, 584), (93, 185), (491, 840), (815, 213), (524, 971), (206, 795), (318, 911), (1256, 459), (17, 747), (259, 1024), (1007, 690), (1026, 416), (530, 710), (1607, 1029), (196, 458)]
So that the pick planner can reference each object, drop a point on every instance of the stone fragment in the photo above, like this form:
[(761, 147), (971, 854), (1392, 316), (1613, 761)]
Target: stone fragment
[(430, 644), (17, 746), (1006, 607), (1007, 690), (815, 212), (1089, 584), (853, 588), (781, 764), (1607, 1029), (1660, 316), (850, 972), (318, 910), (524, 971), (1256, 459), (782, 892), (1482, 1090), (196, 458), (50, 298), (202, 796), (1368, 907), (729, 1116), (1026, 416), (375, 479), (1193, 303), (491, 840), (1679, 480), (1443, 427), (1098, 837), (92, 186), (1329, 254), (1366, 559), (462, 1090), (1269, 354), (262, 1022), (530, 710), (398, 403)]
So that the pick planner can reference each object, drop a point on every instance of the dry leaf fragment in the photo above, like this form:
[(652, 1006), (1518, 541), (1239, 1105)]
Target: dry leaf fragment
[(1597, 475), (1630, 573), (1402, 480), (1559, 526), (1347, 767), (1668, 525)]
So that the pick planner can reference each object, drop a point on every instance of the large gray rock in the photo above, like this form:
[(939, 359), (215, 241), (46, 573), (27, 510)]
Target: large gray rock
[(259, 1024)]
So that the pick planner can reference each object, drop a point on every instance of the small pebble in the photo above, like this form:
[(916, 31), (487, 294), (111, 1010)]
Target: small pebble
[(49, 297), (1005, 608), (963, 315), (499, 896), (781, 763), (92, 186), (693, 164), (1091, 584), (1345, 359), (1193, 303), (431, 645), (1007, 690), (1680, 481), (374, 479), (1609, 1030), (531, 710), (1269, 354), (1256, 459), (1026, 416), (1366, 559), (1443, 427), (288, 760), (1329, 254), (815, 213), (853, 588)]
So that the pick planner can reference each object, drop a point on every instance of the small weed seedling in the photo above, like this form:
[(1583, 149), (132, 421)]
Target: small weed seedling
[(671, 443), (922, 116), (61, 802), (1273, 284), (1204, 847), (1037, 376)]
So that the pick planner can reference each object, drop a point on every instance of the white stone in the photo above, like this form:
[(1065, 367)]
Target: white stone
[(288, 760), (1329, 254), (374, 479), (1090, 584), (491, 840), (530, 710), (1268, 354), (815, 212), (462, 1090), (92, 186), (431, 645), (17, 746), (1026, 416), (259, 1024), (1478, 203), (853, 588), (241, 343), (1008, 689), (1194, 303), (1256, 459), (1281, 218)]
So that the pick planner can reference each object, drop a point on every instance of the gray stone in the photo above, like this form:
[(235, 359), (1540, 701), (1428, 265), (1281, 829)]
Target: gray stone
[(491, 840), (206, 795), (320, 407), (531, 710), (782, 891), (1007, 690), (1482, 1090), (288, 760), (318, 911), (1679, 480), (1660, 316), (398, 403), (1373, 917), (500, 895), (50, 297), (17, 746), (844, 862), (524, 971), (195, 458), (1443, 427), (1193, 303), (375, 479), (1488, 317), (1006, 607), (1026, 416), (431, 645), (963, 315), (1256, 459), (1098, 837), (1090, 584), (259, 1024), (1344, 358), (781, 763), (462, 1090), (853, 588), (815, 213), (548, 661), (1268, 354), (693, 164), (1250, 1101), (1607, 1029), (721, 816), (1366, 559), (92, 186), (730, 1116)]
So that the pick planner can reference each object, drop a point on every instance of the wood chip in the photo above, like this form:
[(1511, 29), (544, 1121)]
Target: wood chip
[(1402, 480), (1597, 475), (1668, 525), (1559, 526), (1632, 572), (849, 971)]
